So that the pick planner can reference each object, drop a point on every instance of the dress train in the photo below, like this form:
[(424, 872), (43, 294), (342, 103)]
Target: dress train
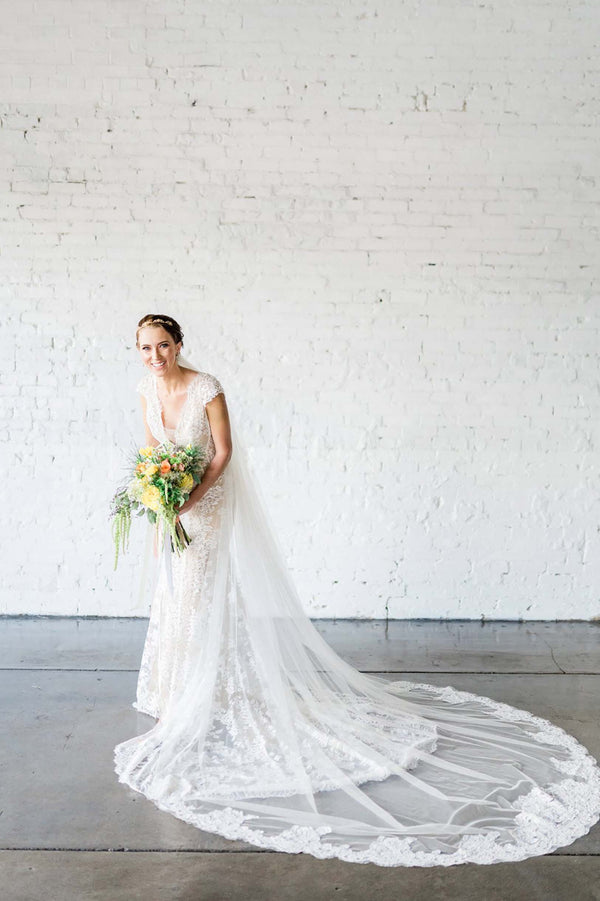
[(266, 735)]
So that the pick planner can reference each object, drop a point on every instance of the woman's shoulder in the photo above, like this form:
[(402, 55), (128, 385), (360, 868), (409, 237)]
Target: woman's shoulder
[(144, 385), (208, 386)]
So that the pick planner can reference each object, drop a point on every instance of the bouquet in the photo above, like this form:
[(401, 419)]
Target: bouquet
[(162, 480)]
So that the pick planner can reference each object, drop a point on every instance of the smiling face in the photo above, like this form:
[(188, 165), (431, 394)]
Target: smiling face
[(158, 349)]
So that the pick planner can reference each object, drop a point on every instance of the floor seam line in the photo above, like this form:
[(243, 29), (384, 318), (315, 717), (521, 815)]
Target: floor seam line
[(217, 851), (441, 672)]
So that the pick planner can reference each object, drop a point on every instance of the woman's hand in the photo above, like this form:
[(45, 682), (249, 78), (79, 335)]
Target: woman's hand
[(187, 505)]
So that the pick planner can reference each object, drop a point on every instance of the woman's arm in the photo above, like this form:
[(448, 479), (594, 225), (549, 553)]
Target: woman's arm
[(218, 418)]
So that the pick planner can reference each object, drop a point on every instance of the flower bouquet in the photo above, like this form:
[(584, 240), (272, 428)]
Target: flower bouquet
[(163, 479)]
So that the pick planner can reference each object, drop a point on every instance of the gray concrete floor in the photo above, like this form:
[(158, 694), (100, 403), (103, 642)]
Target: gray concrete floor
[(70, 831)]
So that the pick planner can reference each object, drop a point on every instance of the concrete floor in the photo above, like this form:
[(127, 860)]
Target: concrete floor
[(70, 832)]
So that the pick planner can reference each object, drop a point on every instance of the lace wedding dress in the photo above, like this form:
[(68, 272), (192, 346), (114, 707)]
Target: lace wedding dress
[(266, 735)]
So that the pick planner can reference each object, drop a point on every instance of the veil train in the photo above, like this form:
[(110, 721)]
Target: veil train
[(272, 738)]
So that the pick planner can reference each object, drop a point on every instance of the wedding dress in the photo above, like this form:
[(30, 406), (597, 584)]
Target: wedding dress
[(266, 735)]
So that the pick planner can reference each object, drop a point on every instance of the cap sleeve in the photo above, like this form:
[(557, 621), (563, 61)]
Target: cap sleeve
[(143, 386), (210, 388)]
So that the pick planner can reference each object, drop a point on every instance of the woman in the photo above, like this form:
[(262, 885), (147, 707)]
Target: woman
[(199, 411), (265, 734)]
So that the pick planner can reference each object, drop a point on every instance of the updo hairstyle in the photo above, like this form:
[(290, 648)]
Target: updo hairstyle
[(167, 322)]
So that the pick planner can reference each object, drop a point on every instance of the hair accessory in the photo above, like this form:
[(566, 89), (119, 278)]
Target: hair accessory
[(159, 319)]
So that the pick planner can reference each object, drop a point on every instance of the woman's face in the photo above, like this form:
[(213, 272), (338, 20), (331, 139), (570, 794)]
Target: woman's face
[(157, 349)]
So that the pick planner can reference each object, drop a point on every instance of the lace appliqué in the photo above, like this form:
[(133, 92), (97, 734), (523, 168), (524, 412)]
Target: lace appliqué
[(548, 818)]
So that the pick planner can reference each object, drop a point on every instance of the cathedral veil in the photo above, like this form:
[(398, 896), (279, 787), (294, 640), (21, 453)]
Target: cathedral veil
[(272, 738)]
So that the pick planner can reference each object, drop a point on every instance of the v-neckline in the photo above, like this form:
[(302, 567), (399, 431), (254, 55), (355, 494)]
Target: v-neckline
[(161, 408)]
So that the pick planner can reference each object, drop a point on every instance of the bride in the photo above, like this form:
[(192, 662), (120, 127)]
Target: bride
[(264, 734)]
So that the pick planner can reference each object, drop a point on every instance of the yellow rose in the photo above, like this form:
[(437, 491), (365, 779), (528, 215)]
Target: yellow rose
[(151, 469), (146, 451), (151, 497), (187, 483)]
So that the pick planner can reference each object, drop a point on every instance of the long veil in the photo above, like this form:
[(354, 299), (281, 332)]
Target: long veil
[(275, 740)]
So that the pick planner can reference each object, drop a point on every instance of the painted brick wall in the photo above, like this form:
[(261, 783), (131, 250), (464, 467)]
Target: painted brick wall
[(378, 226)]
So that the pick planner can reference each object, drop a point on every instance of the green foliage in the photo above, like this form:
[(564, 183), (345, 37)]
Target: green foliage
[(121, 527), (163, 491)]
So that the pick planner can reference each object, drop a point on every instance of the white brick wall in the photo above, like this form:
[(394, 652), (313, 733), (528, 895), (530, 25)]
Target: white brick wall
[(378, 226)]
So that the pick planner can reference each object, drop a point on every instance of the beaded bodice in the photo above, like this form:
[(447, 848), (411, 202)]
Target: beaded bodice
[(193, 426)]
